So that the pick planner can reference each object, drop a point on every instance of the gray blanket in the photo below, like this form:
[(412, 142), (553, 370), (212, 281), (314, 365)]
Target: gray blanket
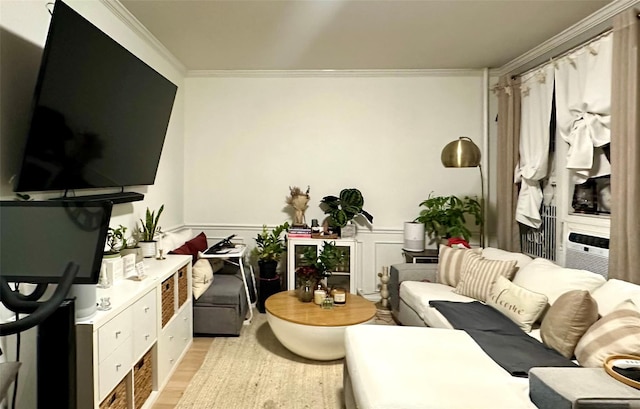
[(501, 338)]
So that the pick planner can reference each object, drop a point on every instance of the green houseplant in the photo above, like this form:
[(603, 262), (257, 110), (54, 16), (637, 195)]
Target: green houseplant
[(148, 229), (270, 245), (319, 264), (345, 207), (130, 245), (114, 241), (444, 216)]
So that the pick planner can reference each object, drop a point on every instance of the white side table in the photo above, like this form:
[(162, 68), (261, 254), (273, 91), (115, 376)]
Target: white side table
[(235, 256)]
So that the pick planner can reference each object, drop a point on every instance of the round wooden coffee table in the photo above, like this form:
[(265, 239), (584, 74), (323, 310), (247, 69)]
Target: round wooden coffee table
[(310, 331)]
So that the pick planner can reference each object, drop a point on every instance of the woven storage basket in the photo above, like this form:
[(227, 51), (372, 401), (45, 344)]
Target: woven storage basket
[(142, 380), (117, 399), (183, 290), (167, 300)]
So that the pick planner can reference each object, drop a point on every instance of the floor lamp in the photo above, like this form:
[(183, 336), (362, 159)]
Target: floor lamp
[(463, 153)]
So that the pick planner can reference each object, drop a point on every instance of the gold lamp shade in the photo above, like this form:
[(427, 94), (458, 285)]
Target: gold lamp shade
[(461, 153)]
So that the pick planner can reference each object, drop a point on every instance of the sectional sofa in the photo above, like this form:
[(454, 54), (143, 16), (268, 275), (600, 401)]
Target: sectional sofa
[(524, 320)]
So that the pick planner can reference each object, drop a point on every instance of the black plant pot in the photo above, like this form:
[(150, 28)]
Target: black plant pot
[(268, 282), (267, 268)]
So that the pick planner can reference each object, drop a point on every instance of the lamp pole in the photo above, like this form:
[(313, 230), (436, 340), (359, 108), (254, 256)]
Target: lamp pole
[(482, 212), (463, 153)]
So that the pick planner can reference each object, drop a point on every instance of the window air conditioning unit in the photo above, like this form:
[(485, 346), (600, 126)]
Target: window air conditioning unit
[(587, 252)]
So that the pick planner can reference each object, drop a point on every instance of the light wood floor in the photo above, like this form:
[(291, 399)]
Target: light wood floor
[(178, 382)]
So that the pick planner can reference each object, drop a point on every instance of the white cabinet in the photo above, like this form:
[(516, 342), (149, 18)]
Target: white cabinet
[(113, 345), (344, 274)]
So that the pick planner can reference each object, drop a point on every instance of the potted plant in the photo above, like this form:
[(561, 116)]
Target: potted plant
[(344, 208), (319, 265), (148, 230), (444, 216), (270, 245), (114, 242), (130, 245)]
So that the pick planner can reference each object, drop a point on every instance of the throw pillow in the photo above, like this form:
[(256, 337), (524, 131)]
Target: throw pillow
[(544, 277), (478, 275), (491, 253), (450, 264), (521, 305), (192, 247), (202, 277), (198, 243), (616, 333), (184, 250), (612, 292), (567, 320)]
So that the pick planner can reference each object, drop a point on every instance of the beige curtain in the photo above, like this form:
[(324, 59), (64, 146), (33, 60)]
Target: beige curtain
[(507, 230), (624, 254)]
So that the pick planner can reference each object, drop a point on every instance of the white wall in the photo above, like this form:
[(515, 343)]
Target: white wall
[(247, 139), (23, 30)]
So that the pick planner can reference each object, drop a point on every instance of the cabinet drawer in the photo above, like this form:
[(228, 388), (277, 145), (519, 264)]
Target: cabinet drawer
[(112, 334), (173, 340), (166, 351), (182, 331), (114, 368), (145, 323)]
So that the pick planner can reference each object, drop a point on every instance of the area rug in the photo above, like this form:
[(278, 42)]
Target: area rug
[(255, 371)]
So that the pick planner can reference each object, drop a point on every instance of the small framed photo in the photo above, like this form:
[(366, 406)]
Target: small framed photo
[(140, 271), (129, 265)]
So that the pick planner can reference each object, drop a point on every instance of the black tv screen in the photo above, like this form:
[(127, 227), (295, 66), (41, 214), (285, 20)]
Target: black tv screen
[(39, 239), (100, 114)]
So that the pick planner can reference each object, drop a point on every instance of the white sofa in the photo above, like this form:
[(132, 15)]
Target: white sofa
[(410, 366)]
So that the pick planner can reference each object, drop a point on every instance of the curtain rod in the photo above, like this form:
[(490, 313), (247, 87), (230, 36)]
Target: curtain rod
[(565, 53)]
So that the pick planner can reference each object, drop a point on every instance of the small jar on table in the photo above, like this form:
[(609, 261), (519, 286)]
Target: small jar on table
[(339, 295)]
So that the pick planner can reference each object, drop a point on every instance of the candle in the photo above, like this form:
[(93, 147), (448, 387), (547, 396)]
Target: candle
[(318, 296)]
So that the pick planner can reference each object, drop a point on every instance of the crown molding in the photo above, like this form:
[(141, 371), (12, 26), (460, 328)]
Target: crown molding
[(591, 26), (334, 73), (136, 26)]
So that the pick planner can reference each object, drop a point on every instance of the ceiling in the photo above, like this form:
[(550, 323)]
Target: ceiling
[(354, 34)]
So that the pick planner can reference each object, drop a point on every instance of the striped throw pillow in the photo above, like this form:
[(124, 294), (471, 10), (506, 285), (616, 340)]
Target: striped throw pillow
[(479, 275), (616, 333), (450, 264)]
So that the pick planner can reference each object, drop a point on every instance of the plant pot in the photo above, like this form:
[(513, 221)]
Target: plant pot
[(348, 231), (148, 248), (111, 255), (135, 250), (267, 268)]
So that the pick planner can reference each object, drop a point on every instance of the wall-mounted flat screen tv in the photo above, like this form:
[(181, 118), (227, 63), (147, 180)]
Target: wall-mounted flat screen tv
[(40, 238), (100, 114)]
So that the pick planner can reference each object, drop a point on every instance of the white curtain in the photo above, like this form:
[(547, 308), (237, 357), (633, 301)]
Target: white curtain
[(537, 93), (583, 107)]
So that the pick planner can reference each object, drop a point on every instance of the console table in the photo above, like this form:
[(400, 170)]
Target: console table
[(125, 355), (424, 256)]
